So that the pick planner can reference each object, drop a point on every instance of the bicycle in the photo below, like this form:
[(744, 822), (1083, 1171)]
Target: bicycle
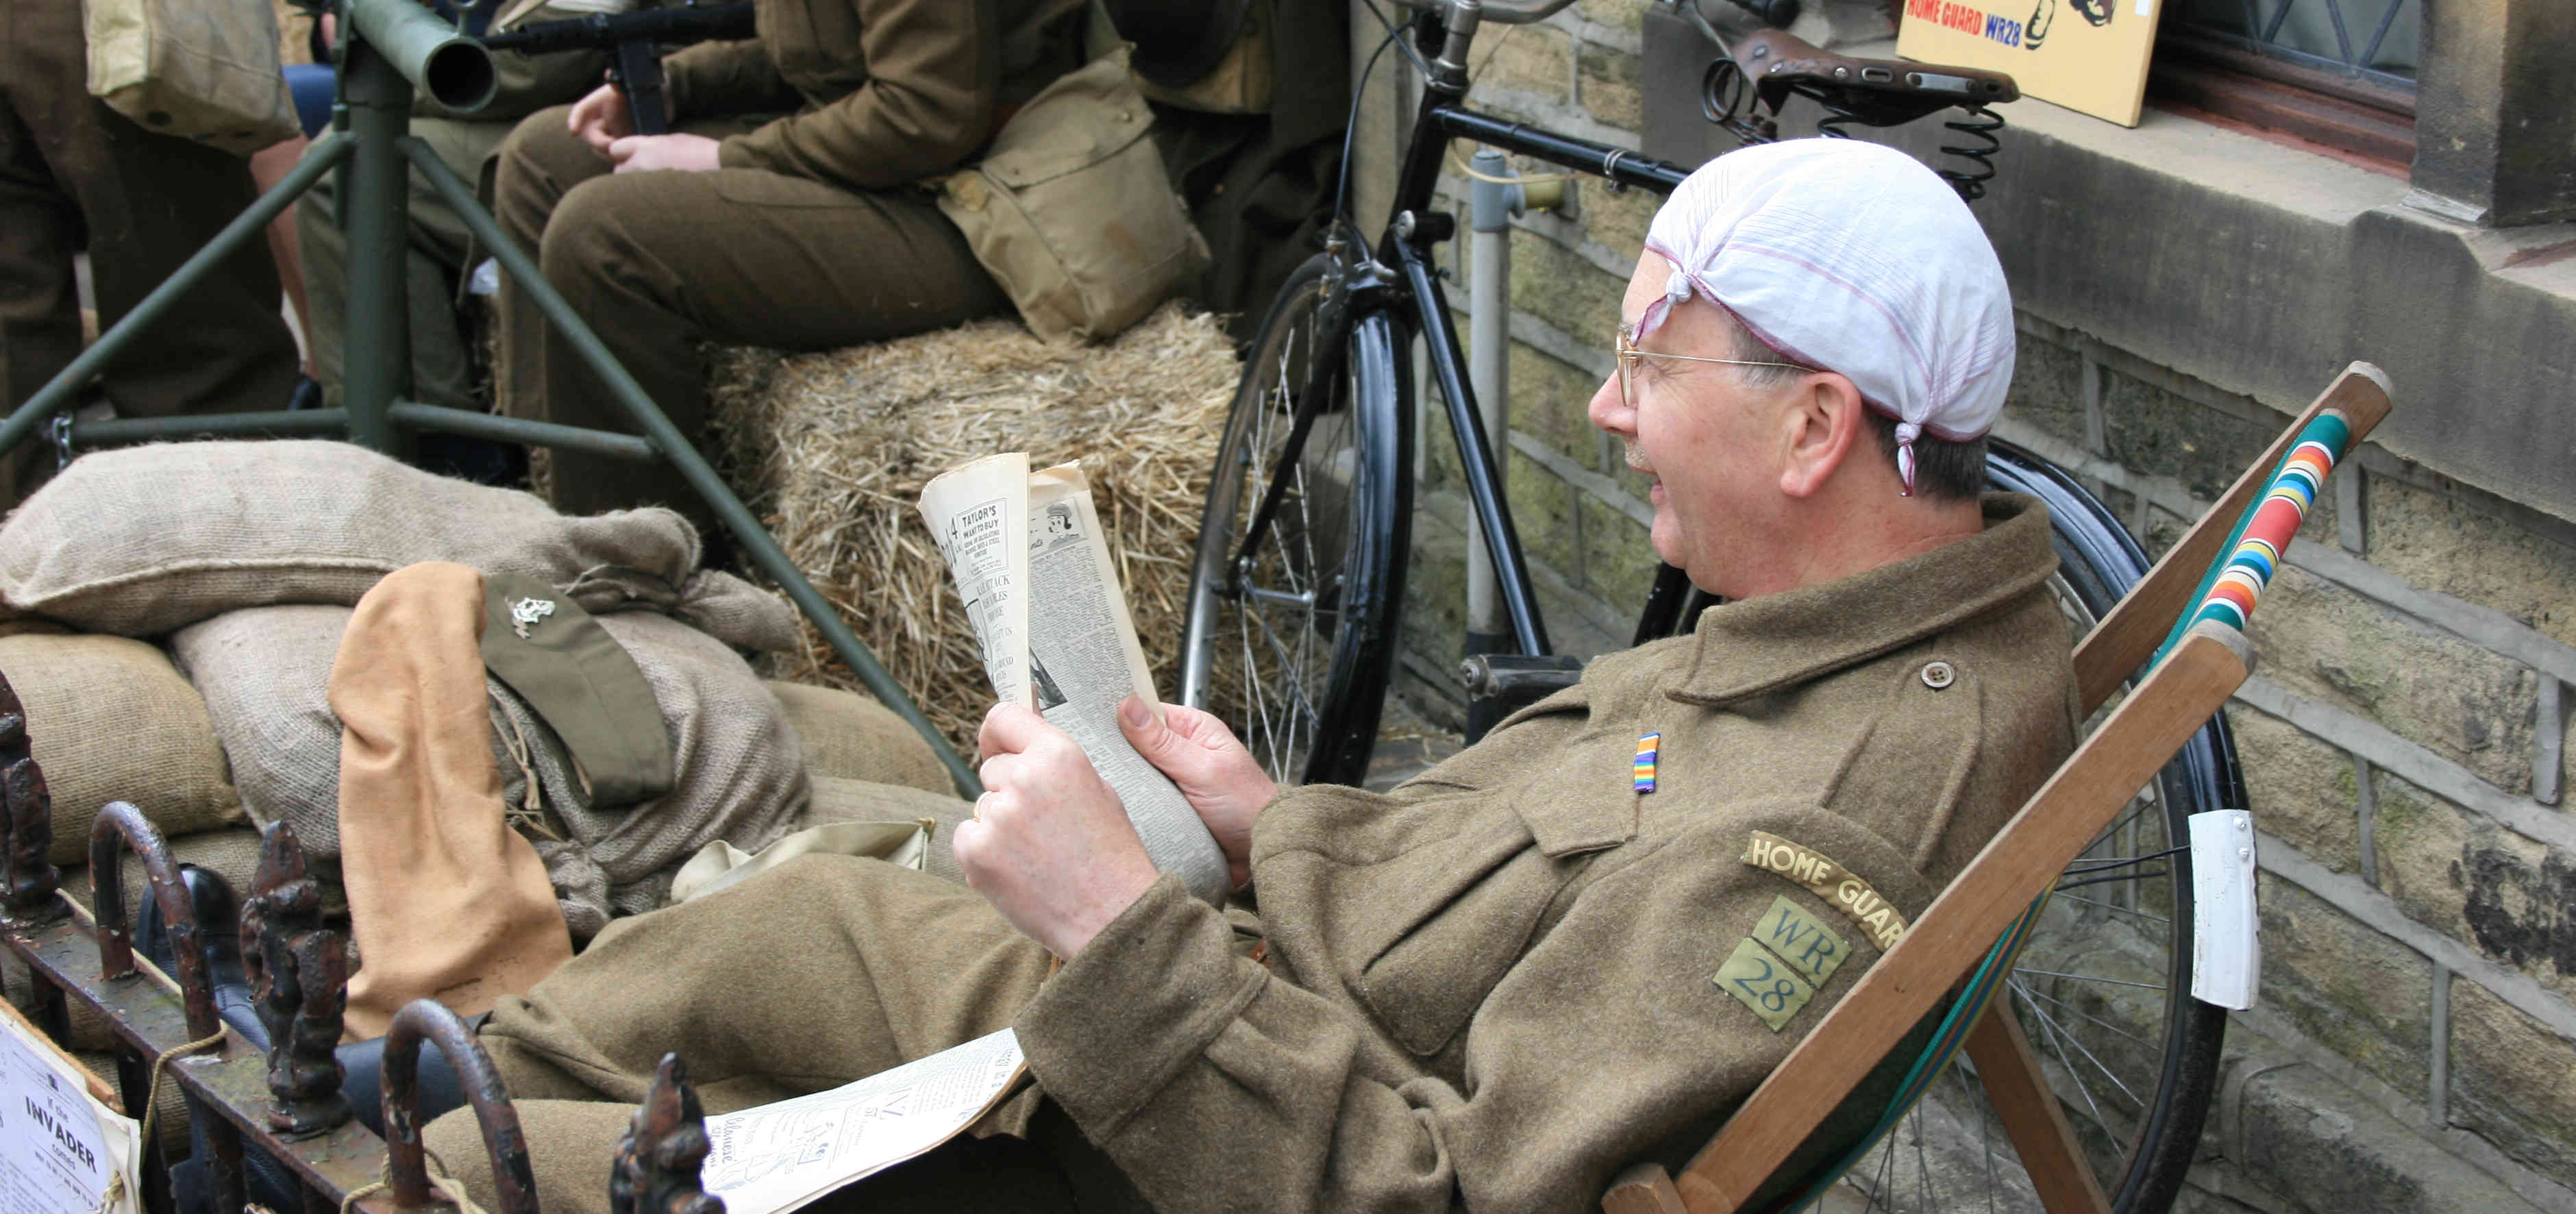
[(1299, 576)]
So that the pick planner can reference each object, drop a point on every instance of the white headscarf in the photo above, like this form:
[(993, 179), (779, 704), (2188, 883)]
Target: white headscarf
[(1854, 258)]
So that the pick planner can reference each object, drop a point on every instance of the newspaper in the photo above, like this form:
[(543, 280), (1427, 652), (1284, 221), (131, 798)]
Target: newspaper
[(1012, 538), (779, 1157), (60, 1149), (1076, 659)]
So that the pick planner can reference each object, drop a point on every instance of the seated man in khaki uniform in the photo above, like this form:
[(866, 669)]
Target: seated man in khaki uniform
[(1541, 960), (778, 212)]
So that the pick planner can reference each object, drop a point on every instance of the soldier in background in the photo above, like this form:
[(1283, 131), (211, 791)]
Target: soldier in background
[(776, 213), (76, 175)]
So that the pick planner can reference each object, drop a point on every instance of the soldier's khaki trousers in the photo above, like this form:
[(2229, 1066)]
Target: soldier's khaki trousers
[(434, 257), (824, 970), (659, 262), (76, 175)]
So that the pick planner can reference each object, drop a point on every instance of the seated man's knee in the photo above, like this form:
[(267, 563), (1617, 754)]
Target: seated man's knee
[(590, 236), (538, 161)]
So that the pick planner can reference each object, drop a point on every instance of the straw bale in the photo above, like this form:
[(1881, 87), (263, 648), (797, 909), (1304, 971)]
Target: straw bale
[(833, 449)]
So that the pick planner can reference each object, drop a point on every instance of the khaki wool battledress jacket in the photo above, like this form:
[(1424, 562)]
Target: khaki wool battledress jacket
[(1495, 986), (1487, 990), (875, 93)]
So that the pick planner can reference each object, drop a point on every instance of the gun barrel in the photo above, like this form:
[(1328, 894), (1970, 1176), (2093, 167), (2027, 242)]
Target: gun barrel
[(453, 69), (679, 23)]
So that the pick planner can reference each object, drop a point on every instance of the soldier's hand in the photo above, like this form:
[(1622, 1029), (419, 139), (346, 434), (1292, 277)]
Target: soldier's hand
[(601, 118), (1221, 779), (651, 153), (1050, 845)]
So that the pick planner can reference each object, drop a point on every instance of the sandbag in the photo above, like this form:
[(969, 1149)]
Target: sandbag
[(109, 719), (229, 525), (738, 774), (265, 674), (848, 736)]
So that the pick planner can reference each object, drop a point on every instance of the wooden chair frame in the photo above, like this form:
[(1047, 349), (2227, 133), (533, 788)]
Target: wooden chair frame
[(2204, 665)]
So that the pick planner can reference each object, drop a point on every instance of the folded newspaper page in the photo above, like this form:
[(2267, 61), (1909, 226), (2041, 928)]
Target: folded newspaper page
[(779, 1157), (1076, 659), (60, 1149)]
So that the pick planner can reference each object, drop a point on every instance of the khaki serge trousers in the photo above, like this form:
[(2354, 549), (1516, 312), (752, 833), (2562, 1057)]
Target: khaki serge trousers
[(822, 971), (659, 262)]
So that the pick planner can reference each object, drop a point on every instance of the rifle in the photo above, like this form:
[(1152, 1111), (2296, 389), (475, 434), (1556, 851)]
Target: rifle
[(638, 39)]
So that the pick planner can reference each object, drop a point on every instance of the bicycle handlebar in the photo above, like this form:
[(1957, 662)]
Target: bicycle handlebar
[(1503, 12)]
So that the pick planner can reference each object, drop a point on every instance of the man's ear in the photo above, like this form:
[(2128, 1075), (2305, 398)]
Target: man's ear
[(1825, 423)]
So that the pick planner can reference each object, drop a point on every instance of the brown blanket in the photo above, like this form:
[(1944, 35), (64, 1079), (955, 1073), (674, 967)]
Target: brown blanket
[(446, 901)]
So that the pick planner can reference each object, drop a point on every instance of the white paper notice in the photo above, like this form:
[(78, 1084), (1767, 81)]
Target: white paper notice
[(60, 1150), (779, 1157)]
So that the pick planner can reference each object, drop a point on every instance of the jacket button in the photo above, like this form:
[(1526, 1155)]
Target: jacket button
[(1937, 675)]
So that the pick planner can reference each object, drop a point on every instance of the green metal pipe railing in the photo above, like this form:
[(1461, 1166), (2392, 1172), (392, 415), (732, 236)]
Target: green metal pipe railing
[(393, 47), (675, 446), (300, 423), (440, 419)]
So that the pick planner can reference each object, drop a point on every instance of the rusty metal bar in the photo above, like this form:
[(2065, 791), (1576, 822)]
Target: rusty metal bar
[(122, 822), (147, 1019), (408, 1170), (29, 810), (299, 976), (656, 1170)]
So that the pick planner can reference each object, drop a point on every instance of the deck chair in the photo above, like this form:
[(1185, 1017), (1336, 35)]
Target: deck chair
[(1967, 940)]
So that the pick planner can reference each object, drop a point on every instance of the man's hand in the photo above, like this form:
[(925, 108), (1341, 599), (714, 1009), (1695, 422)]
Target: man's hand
[(601, 118), (648, 153), (1050, 846), (1221, 779)]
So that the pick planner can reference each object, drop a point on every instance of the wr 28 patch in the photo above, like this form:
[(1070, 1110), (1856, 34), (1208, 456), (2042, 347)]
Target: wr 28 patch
[(1777, 969), (1761, 982)]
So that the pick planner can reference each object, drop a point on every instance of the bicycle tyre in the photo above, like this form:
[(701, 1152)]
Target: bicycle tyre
[(2103, 991), (1294, 647)]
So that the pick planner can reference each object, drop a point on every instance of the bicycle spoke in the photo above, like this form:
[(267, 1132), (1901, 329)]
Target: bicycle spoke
[(1922, 1167), (2081, 1014), (2111, 877), (2124, 862), (2067, 897), (2049, 1031), (1985, 1138), (2089, 1056), (2023, 969)]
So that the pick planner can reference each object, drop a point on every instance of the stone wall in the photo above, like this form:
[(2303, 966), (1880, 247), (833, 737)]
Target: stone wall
[(2402, 738)]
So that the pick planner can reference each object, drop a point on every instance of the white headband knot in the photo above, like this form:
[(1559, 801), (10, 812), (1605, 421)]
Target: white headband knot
[(1855, 258)]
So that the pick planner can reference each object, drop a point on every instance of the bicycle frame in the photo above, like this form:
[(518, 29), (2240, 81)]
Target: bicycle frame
[(1400, 280)]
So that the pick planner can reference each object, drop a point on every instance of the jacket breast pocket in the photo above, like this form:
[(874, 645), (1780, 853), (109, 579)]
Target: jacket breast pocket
[(1453, 918)]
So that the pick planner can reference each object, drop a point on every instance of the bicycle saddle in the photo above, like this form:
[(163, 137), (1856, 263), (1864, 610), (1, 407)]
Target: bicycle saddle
[(1878, 92)]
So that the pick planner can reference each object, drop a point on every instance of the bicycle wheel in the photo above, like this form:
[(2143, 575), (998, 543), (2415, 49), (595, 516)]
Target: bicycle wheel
[(2103, 991), (1292, 621)]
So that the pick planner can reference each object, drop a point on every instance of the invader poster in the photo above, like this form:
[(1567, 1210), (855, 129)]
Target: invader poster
[(2088, 55)]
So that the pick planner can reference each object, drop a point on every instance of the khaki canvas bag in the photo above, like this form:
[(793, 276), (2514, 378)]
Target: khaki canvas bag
[(206, 70), (1071, 212)]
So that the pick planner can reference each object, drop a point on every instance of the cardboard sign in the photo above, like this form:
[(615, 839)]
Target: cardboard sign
[(60, 1150), (2088, 55)]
